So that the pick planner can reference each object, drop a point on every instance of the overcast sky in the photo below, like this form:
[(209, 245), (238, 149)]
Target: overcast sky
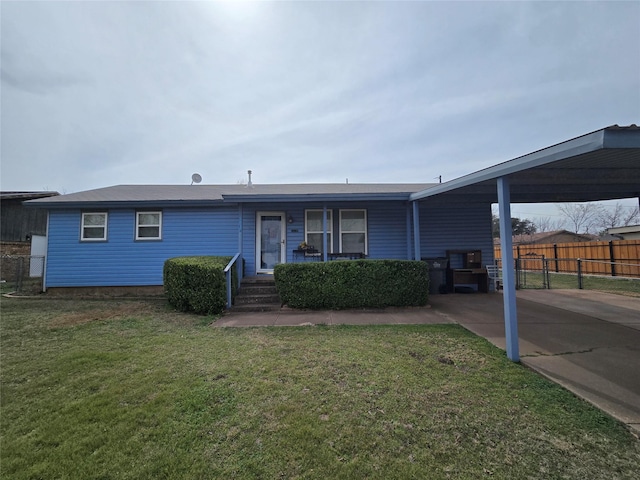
[(104, 93)]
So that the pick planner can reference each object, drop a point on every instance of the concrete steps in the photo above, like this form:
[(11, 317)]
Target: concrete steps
[(257, 294)]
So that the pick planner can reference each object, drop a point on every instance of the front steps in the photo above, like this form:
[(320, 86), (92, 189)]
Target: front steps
[(257, 294)]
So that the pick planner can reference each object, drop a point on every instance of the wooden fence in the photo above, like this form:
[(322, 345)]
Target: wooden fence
[(614, 258)]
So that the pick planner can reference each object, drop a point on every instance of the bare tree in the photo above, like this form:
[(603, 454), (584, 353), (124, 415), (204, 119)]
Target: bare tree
[(618, 216), (582, 217), (548, 224), (632, 217)]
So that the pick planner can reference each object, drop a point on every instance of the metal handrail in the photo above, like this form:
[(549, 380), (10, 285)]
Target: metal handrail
[(227, 272)]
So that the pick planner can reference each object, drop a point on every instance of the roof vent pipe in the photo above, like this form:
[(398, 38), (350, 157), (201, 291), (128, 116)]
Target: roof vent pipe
[(249, 184)]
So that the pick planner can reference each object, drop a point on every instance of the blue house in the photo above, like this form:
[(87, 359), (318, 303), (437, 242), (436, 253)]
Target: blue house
[(120, 236)]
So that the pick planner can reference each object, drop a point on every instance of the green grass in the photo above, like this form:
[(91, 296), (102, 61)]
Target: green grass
[(128, 389), (620, 285)]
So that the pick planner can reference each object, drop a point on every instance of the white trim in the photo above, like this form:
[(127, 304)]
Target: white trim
[(138, 225), (283, 239), (366, 235), (82, 227), (320, 232)]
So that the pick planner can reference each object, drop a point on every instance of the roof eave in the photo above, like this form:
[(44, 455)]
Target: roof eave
[(302, 198), (122, 204)]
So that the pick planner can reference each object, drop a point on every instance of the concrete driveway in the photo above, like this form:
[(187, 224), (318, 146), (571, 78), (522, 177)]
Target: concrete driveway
[(587, 341)]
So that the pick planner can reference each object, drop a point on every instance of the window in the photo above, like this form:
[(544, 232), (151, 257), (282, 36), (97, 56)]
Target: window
[(353, 231), (94, 227), (148, 225), (313, 229)]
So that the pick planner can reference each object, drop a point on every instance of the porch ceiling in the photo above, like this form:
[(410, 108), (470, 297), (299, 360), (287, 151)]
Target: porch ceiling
[(601, 165)]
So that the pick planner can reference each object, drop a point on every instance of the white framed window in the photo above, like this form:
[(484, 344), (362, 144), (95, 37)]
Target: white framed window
[(94, 227), (313, 230), (148, 225), (353, 231)]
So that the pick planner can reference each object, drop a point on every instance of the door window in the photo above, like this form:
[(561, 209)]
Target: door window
[(271, 241)]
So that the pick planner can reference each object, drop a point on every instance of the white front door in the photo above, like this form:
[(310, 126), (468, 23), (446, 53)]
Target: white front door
[(270, 241)]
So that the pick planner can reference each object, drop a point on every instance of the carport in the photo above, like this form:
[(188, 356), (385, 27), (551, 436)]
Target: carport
[(601, 165)]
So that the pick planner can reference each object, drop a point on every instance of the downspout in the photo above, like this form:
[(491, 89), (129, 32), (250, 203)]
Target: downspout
[(46, 257), (416, 230), (508, 272)]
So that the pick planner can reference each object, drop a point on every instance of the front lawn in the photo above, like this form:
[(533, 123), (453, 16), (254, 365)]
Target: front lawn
[(129, 389)]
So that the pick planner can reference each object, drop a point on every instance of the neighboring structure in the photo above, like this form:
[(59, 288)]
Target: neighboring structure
[(556, 236), (19, 226), (625, 233), (18, 223)]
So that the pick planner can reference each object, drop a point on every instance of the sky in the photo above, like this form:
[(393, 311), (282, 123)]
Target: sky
[(95, 94)]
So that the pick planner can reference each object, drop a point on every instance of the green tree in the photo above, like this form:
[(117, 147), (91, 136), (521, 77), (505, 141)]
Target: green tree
[(518, 226)]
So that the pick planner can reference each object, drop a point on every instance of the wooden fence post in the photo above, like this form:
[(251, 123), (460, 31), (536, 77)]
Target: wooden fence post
[(580, 286), (612, 259)]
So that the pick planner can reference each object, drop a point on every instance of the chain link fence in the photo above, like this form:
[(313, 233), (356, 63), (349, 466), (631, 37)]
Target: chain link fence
[(22, 274), (538, 272)]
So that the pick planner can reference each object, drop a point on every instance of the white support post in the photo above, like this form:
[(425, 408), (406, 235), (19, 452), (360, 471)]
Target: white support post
[(508, 272), (240, 241), (416, 230)]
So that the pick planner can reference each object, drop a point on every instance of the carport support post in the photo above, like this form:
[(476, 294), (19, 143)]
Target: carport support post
[(508, 274), (324, 233), (416, 230)]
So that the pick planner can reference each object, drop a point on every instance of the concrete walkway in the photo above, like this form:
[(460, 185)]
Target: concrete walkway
[(589, 342)]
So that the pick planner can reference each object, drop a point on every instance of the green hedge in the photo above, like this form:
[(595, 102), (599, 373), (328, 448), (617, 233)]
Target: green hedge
[(353, 284), (198, 284)]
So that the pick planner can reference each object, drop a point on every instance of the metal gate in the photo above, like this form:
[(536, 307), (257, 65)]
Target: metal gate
[(538, 272), (22, 273)]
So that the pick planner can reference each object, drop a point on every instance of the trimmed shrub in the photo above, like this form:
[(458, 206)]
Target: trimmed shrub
[(353, 284), (197, 284)]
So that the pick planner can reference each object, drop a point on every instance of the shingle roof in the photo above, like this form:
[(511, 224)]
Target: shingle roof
[(542, 237), (121, 194)]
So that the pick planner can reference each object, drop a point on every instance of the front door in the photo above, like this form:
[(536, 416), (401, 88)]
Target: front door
[(270, 241)]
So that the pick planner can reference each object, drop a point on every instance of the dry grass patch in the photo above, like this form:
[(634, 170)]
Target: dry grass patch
[(117, 311)]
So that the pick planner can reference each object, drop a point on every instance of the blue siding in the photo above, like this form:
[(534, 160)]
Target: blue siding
[(122, 261), (386, 223), (458, 227)]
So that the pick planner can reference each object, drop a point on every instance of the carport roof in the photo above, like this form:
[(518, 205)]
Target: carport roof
[(600, 165)]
